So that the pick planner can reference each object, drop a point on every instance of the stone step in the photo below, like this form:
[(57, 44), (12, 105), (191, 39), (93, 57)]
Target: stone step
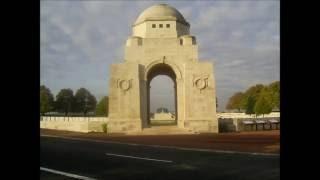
[(162, 130)]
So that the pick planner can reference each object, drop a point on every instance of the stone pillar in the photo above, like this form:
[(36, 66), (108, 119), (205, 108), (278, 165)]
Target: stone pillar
[(200, 98), (124, 98), (180, 106), (144, 99)]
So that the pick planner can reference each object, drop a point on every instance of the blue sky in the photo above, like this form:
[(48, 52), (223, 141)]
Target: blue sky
[(80, 39)]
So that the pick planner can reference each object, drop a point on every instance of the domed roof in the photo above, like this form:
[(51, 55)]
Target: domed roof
[(161, 12)]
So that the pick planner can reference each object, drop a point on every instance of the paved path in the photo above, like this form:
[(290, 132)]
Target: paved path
[(257, 142), (69, 158)]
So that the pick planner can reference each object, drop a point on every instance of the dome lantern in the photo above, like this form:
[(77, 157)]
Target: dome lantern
[(160, 21)]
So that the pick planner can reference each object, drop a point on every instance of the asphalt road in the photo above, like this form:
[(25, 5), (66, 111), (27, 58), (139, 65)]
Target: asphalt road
[(120, 161)]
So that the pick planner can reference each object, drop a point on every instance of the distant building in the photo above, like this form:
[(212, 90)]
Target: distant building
[(162, 116)]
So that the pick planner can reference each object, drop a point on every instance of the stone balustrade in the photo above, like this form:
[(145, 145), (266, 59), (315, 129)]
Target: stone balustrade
[(243, 115), (235, 122), (227, 122), (78, 124)]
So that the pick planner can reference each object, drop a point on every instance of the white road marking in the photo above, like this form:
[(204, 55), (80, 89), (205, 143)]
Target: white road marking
[(66, 174), (149, 159), (168, 147)]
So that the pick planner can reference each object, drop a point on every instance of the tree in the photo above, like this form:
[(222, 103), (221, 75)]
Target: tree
[(250, 98), (64, 101), (254, 91), (249, 106), (266, 95), (84, 101), (235, 101), (275, 91), (263, 104), (102, 107), (162, 109), (46, 100)]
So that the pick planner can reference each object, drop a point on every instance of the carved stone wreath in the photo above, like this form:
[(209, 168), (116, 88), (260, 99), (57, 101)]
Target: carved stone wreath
[(124, 85), (200, 82)]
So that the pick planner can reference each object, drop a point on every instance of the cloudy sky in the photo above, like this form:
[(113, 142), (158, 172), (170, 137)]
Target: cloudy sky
[(80, 39)]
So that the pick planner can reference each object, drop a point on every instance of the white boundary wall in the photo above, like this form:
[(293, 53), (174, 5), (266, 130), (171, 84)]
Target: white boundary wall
[(78, 124), (243, 115), (231, 122), (94, 124)]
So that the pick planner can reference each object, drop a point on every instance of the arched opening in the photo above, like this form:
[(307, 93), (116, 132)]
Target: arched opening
[(164, 72), (162, 101)]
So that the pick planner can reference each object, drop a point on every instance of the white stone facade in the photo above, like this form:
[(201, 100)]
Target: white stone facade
[(161, 44)]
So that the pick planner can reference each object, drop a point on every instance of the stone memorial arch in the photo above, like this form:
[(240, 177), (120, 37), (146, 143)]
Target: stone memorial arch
[(161, 44)]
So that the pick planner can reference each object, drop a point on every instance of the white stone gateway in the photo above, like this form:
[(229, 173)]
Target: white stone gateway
[(161, 44)]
